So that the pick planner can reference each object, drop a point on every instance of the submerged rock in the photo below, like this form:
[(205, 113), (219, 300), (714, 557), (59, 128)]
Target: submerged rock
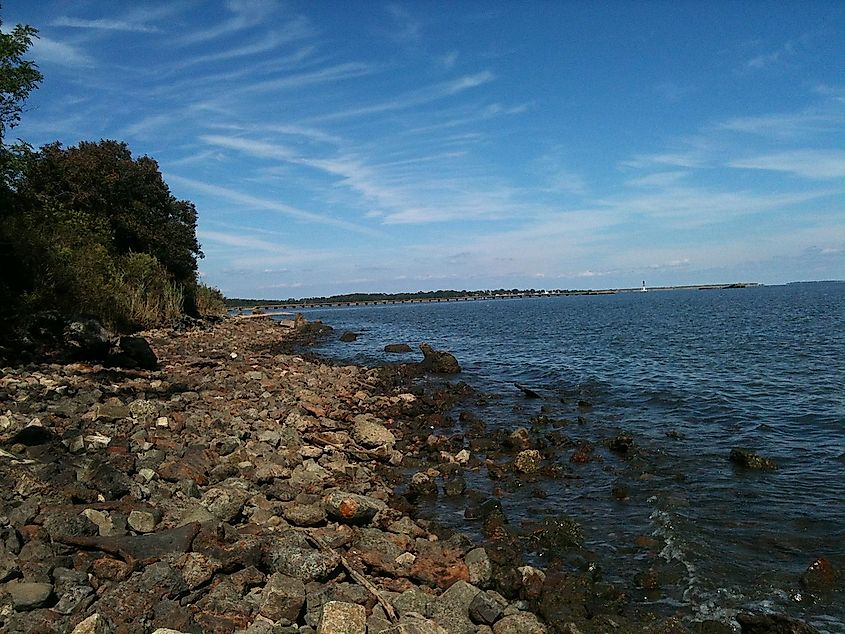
[(749, 460), (772, 624)]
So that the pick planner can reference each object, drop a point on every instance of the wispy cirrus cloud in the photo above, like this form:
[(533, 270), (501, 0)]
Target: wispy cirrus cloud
[(49, 51), (416, 98), (104, 24), (256, 202), (246, 14), (814, 164)]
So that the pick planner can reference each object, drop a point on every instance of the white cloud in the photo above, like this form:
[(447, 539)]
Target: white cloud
[(255, 202), (50, 51), (104, 24), (812, 164)]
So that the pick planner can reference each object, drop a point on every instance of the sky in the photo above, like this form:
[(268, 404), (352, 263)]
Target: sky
[(335, 147)]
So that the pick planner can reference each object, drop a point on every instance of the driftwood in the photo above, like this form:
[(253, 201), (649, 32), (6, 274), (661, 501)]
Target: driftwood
[(382, 453), (139, 548), (357, 576)]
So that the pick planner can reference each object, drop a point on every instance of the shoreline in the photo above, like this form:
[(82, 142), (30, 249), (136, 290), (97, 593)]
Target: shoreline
[(244, 487)]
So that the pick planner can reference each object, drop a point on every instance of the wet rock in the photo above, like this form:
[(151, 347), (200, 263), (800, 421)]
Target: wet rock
[(397, 348), (29, 595), (368, 431), (749, 460), (559, 534), (527, 391), (282, 598), (343, 618), (622, 443), (772, 624), (532, 581), (821, 577), (351, 508), (349, 336), (423, 484), (528, 461), (438, 362)]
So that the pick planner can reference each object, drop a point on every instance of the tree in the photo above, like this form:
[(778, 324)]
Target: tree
[(128, 196), (18, 77)]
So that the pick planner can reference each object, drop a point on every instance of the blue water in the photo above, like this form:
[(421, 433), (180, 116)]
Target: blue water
[(761, 368)]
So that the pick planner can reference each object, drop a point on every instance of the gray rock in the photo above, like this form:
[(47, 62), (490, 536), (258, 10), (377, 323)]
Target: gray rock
[(412, 601), (343, 618), (480, 567), (282, 598), (423, 484), (451, 609), (72, 597), (291, 555), (519, 623), (397, 348), (350, 508), (142, 521), (305, 514), (485, 609), (369, 432), (29, 595), (224, 502)]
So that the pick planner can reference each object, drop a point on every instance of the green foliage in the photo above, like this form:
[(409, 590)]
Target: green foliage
[(210, 301), (18, 77), (90, 230)]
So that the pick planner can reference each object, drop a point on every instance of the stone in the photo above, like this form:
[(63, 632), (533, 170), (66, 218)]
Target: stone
[(397, 348), (291, 555), (224, 502), (821, 576), (142, 521), (282, 598), (134, 352), (94, 624), (423, 484), (439, 563), (749, 460), (72, 597), (197, 569), (348, 336), (417, 624), (87, 339), (519, 623), (480, 567), (485, 609), (438, 362), (110, 412), (343, 618), (369, 432), (350, 508), (528, 461), (105, 526), (27, 595), (305, 514), (451, 609)]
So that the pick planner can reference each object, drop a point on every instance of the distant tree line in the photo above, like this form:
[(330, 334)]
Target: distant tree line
[(89, 230)]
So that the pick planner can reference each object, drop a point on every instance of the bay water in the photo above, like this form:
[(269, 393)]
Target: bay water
[(690, 374)]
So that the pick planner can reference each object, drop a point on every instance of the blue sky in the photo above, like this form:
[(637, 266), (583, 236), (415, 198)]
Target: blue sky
[(364, 146)]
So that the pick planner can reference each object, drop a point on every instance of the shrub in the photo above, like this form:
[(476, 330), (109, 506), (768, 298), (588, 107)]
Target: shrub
[(210, 300)]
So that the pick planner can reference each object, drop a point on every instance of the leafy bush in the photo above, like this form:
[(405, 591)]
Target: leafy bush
[(210, 300)]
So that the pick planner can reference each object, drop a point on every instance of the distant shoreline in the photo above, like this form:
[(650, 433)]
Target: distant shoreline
[(375, 299)]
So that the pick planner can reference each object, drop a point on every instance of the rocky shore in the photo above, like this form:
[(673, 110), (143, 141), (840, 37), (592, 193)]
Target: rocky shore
[(245, 487)]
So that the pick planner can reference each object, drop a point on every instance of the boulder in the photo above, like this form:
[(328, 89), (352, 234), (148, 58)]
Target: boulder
[(772, 624), (87, 339), (528, 461), (134, 352), (348, 336), (282, 598), (369, 432), (438, 362), (29, 595), (397, 348)]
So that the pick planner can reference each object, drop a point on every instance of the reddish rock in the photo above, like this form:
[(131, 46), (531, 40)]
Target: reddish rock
[(439, 564)]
